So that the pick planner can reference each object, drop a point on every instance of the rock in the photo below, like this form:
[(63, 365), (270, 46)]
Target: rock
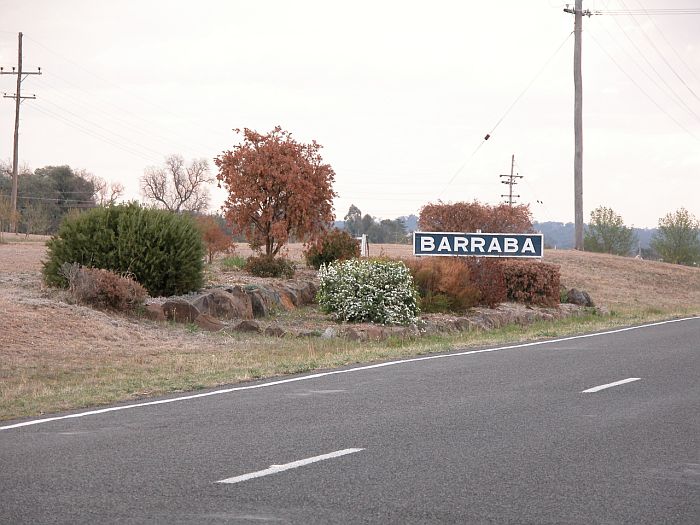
[(209, 323), (248, 325), (365, 333), (264, 300), (579, 297), (225, 303), (154, 312), (275, 331), (308, 333), (330, 333), (180, 311)]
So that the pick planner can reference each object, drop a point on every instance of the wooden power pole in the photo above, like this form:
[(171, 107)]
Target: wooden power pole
[(15, 151), (578, 124), (511, 181)]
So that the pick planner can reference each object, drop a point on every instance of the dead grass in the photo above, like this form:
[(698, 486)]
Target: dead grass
[(57, 356)]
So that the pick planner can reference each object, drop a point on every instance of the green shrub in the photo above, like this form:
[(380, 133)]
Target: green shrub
[(234, 262), (362, 290), (531, 282), (334, 245), (102, 288), (162, 250), (444, 284), (264, 266)]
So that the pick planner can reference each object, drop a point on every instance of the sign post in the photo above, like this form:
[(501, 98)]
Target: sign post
[(451, 244)]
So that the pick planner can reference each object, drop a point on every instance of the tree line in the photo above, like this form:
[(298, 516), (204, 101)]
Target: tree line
[(281, 190)]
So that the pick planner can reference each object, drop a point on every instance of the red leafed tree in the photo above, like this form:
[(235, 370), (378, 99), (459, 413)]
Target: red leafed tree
[(472, 216), (277, 187), (215, 238)]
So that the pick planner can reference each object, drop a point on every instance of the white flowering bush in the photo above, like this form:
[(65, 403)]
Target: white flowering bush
[(361, 290)]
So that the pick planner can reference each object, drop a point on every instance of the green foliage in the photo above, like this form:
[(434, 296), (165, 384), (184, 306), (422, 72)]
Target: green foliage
[(444, 284), (234, 262), (103, 289), (162, 250), (54, 191), (362, 290), (677, 240), (384, 231), (531, 282), (333, 245), (607, 233), (265, 266)]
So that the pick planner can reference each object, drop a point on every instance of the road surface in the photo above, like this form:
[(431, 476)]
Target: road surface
[(596, 429)]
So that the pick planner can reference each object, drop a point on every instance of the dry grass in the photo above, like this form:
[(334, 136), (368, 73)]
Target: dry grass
[(57, 356)]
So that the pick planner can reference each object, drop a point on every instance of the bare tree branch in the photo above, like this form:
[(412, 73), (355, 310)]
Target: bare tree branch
[(176, 186)]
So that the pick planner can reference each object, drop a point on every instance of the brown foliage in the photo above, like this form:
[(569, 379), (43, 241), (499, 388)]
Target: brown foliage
[(103, 288), (472, 216), (487, 276), (215, 238), (444, 284), (277, 187), (531, 282)]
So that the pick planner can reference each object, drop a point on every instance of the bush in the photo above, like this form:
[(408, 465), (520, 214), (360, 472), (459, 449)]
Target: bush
[(487, 277), (215, 239), (531, 282), (363, 290), (162, 250), (234, 262), (444, 284), (264, 266), (334, 245), (102, 288)]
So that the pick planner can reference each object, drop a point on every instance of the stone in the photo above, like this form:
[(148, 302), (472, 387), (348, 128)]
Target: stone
[(180, 311), (330, 333), (209, 323), (225, 303), (308, 333), (264, 300), (579, 297), (248, 325), (154, 312), (275, 331)]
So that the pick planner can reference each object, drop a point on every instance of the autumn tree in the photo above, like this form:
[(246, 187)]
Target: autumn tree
[(472, 216), (216, 240), (607, 233), (678, 238), (277, 187), (177, 186)]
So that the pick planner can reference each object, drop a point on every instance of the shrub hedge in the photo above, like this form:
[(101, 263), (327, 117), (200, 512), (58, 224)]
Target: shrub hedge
[(531, 282), (162, 250), (266, 266), (333, 245), (444, 284)]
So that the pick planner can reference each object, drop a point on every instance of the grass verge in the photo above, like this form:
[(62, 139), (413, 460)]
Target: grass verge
[(37, 387)]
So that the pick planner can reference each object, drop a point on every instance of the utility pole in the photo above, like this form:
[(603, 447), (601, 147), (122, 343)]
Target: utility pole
[(511, 181), (578, 13), (18, 100)]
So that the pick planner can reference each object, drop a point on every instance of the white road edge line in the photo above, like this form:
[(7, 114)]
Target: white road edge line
[(333, 372), (274, 469), (610, 385)]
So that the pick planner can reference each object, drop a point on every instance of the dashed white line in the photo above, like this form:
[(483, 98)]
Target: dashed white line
[(275, 469), (610, 385)]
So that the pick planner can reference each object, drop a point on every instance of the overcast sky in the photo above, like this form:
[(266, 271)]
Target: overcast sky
[(400, 94)]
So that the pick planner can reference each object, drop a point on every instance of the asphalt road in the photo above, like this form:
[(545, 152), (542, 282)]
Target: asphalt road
[(500, 436)]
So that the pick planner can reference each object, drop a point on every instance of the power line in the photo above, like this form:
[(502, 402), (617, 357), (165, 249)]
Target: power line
[(651, 42), (642, 89), (517, 99), (18, 98), (678, 100)]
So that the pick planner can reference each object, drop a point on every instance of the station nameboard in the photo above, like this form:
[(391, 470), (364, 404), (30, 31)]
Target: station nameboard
[(478, 244)]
